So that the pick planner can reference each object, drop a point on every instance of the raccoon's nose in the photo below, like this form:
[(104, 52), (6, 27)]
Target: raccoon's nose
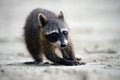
[(63, 45)]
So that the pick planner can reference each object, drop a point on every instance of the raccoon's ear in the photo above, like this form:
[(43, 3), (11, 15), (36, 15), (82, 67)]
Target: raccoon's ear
[(42, 19), (61, 16)]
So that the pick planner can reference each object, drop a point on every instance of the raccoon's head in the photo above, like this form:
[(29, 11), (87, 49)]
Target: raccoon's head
[(55, 30)]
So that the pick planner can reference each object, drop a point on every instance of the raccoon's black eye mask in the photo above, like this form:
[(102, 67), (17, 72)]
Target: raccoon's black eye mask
[(53, 37)]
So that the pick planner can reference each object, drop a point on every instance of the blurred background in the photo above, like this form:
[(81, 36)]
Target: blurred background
[(94, 24)]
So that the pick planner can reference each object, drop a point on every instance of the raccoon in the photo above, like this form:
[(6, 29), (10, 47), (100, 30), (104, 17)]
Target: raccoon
[(44, 31)]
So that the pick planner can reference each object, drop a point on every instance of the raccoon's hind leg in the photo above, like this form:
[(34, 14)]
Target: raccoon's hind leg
[(34, 50), (34, 47)]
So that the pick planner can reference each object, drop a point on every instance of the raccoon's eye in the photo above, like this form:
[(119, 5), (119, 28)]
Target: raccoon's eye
[(65, 33), (52, 37)]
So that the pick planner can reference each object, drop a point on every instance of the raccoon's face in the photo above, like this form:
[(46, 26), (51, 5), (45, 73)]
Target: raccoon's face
[(58, 38), (56, 31)]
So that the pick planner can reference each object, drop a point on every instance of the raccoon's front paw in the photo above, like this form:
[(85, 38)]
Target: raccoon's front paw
[(46, 64), (80, 63), (78, 59), (32, 63)]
